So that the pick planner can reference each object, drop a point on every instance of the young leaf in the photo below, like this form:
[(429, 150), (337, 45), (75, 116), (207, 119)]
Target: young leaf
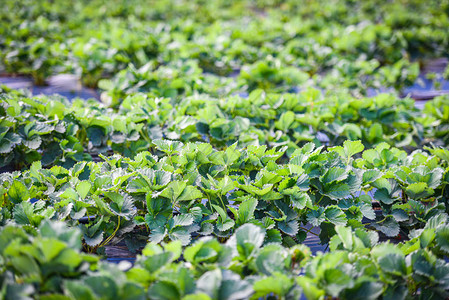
[(246, 210), (83, 189)]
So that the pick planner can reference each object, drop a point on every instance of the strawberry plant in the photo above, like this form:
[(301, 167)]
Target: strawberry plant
[(228, 136), (247, 266)]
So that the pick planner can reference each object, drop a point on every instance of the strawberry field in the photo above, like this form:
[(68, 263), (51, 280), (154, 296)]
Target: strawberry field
[(253, 149)]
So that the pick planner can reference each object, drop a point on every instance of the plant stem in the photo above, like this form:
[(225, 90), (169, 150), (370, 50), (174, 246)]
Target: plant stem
[(309, 231), (222, 203), (381, 220), (106, 241)]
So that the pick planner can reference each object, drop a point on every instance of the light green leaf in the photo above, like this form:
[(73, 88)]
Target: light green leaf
[(345, 235), (18, 192), (246, 210), (418, 190), (83, 189), (285, 121), (279, 285)]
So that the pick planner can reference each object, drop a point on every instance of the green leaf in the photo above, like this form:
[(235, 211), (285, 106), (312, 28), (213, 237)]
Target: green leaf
[(246, 210), (224, 222), (209, 283), (122, 204), (83, 189), (400, 215), (334, 174), (23, 213), (310, 288), (389, 227), (119, 124), (197, 296), (50, 248), (352, 147), (301, 200), (190, 193), (175, 248), (69, 193), (426, 237), (335, 215), (365, 290), (224, 225), (225, 185), (370, 176), (179, 191), (157, 261), (18, 192), (33, 142), (345, 235), (21, 292), (336, 281), (338, 191), (368, 211), (273, 236), (174, 190), (435, 221), (375, 132), (78, 290), (393, 264), (93, 240), (247, 239), (303, 182), (231, 155), (167, 146), (271, 259), (349, 148), (442, 238), (418, 190), (131, 291), (180, 234), (279, 285), (164, 290), (285, 121), (369, 238), (199, 253), (96, 135), (316, 217), (26, 265), (158, 234), (233, 287), (291, 227), (182, 220), (102, 286), (384, 196)]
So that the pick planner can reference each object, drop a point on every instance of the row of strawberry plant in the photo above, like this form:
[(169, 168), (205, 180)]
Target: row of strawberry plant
[(47, 264), (342, 45), (55, 131), (181, 192)]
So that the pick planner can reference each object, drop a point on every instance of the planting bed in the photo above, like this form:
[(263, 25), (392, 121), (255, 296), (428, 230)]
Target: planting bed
[(224, 149)]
